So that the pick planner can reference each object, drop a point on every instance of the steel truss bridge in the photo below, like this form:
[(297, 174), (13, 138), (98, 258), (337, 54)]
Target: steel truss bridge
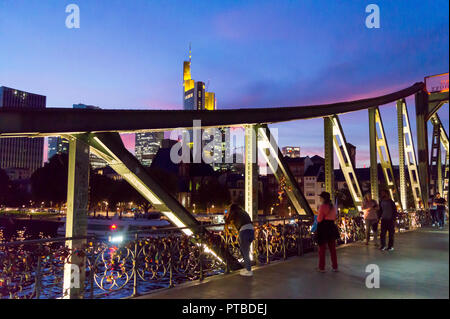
[(98, 131)]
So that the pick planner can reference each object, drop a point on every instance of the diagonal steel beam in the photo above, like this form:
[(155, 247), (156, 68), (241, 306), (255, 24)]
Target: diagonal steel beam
[(275, 159), (405, 139), (109, 147), (343, 154), (385, 159), (443, 186)]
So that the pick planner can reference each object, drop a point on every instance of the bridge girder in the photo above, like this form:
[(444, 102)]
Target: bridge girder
[(347, 166), (275, 159), (442, 181), (409, 154), (56, 121), (384, 155), (427, 104), (109, 147)]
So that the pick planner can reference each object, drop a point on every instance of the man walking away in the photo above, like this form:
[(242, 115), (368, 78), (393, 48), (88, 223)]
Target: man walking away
[(388, 214), (370, 208), (238, 219), (439, 202)]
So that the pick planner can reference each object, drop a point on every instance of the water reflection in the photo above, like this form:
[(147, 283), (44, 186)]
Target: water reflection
[(12, 229)]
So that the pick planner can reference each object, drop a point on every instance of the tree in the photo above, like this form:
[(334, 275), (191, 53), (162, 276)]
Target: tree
[(211, 192), (5, 187), (344, 198), (49, 183)]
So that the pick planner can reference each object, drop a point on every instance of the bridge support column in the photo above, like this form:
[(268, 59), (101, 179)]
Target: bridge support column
[(329, 156), (439, 177), (251, 171), (373, 155), (421, 99), (401, 155), (435, 162), (76, 217)]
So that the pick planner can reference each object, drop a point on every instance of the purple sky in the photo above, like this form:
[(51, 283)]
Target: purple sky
[(254, 53)]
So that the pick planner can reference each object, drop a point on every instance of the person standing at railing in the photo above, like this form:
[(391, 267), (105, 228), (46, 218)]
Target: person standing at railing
[(370, 208), (239, 220), (439, 202), (327, 231), (388, 215)]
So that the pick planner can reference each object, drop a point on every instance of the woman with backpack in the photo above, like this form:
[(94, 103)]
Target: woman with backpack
[(327, 231)]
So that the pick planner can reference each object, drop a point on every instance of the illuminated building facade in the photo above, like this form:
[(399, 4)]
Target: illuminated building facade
[(57, 145), (195, 97), (291, 151), (147, 145), (23, 153)]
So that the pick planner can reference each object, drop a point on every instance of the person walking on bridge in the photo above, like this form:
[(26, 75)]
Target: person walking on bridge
[(370, 208), (388, 215), (327, 231), (439, 202), (238, 219)]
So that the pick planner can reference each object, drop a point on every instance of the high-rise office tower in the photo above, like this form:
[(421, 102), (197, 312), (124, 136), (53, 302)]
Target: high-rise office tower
[(57, 145), (26, 153), (195, 97), (147, 145)]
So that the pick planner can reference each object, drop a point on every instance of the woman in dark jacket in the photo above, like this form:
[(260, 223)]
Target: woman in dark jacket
[(238, 219), (327, 231)]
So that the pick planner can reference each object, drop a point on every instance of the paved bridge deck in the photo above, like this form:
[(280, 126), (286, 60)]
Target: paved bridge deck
[(418, 268)]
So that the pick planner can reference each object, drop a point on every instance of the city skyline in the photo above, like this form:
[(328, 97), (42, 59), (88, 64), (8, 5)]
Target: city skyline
[(297, 59), (173, 150)]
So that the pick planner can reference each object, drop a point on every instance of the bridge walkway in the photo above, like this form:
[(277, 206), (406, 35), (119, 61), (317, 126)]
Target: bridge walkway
[(417, 268)]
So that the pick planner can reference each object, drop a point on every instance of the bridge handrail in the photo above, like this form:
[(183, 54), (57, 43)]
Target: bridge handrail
[(144, 260)]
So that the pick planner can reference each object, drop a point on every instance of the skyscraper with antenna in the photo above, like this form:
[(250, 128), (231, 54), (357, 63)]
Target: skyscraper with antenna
[(195, 96)]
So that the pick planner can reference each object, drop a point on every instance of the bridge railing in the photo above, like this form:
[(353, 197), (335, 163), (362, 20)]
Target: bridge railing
[(141, 262)]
